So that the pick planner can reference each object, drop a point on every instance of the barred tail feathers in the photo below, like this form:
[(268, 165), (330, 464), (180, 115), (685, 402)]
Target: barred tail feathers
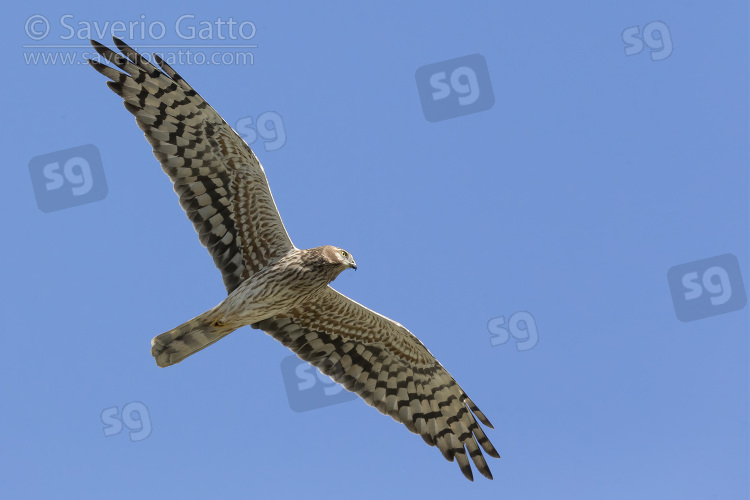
[(185, 340)]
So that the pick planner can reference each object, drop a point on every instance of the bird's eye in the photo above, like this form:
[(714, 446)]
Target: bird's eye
[(343, 252)]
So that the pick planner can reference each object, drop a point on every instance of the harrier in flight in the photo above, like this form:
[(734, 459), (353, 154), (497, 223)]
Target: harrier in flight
[(274, 286)]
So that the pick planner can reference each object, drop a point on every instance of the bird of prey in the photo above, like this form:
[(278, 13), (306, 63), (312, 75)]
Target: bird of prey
[(274, 286)]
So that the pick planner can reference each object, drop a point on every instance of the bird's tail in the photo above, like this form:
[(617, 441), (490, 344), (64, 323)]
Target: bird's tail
[(185, 340)]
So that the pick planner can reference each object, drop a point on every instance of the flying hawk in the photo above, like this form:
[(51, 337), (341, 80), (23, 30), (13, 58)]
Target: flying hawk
[(271, 284)]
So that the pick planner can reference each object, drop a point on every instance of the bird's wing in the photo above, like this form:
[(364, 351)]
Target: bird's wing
[(221, 184), (390, 369)]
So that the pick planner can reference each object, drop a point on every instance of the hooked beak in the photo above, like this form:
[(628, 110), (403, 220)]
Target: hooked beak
[(353, 265)]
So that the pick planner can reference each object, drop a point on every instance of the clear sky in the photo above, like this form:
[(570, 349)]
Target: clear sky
[(552, 197)]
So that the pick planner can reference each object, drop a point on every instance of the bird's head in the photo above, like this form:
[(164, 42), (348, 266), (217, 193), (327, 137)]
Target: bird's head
[(339, 257)]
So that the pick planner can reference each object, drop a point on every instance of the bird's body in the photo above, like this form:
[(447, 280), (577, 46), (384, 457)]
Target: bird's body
[(275, 287), (282, 285)]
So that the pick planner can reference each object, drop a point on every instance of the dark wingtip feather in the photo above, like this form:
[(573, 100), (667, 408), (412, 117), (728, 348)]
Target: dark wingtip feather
[(475, 410), (159, 60), (482, 418), (103, 50), (466, 470), (98, 66), (128, 52), (120, 44), (115, 87)]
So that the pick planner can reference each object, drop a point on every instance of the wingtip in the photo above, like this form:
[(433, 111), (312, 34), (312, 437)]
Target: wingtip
[(100, 48), (467, 473), (123, 47)]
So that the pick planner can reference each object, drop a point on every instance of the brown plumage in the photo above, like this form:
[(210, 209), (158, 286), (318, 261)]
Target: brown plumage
[(274, 286)]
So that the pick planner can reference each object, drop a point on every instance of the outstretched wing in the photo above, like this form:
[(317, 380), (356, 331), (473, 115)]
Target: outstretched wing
[(390, 369), (221, 184)]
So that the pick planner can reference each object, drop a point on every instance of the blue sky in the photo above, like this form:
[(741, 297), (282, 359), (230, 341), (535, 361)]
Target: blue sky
[(524, 233)]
